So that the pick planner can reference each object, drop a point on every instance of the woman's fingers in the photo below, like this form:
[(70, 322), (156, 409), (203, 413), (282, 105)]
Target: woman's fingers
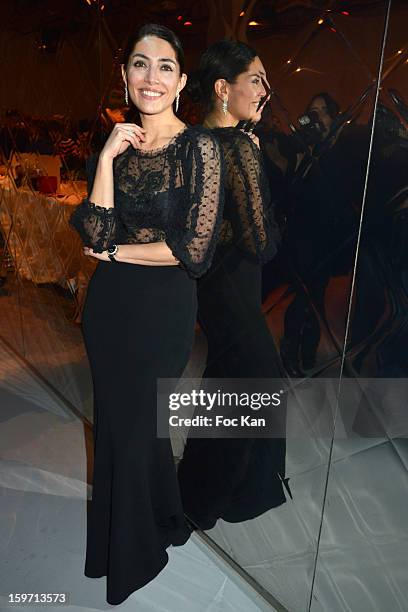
[(134, 140), (123, 135), (90, 252), (254, 138), (132, 135), (132, 128)]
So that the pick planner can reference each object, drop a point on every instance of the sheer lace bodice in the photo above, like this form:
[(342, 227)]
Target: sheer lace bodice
[(248, 220), (172, 194)]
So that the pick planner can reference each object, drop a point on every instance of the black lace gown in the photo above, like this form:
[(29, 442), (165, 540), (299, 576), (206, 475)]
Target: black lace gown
[(138, 325), (237, 479)]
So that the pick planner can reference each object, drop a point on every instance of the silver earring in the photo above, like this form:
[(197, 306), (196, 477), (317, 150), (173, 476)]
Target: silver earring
[(224, 106), (177, 101), (126, 95)]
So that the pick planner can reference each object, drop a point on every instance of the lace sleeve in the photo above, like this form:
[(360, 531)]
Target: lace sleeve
[(252, 215), (194, 227), (95, 224)]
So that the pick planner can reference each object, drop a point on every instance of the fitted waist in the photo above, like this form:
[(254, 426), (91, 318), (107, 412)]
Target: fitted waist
[(154, 277)]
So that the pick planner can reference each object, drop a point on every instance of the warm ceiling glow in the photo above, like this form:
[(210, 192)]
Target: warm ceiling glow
[(320, 21), (298, 69), (289, 61), (254, 23), (242, 13), (399, 52)]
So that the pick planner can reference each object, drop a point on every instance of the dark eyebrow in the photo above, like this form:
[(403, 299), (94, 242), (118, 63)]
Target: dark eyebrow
[(161, 59), (258, 74), (167, 59)]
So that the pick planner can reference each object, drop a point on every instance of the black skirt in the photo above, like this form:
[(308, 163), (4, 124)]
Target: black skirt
[(233, 479), (138, 325)]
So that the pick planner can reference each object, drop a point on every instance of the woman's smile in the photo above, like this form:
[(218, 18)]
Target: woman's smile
[(150, 93)]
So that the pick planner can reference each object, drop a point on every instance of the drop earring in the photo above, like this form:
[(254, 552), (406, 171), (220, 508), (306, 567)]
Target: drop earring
[(224, 106), (126, 94), (177, 100)]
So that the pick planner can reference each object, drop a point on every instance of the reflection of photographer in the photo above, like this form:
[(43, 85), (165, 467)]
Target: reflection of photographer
[(316, 123), (322, 221)]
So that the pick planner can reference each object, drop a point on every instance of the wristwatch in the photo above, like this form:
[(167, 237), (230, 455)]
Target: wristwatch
[(112, 252)]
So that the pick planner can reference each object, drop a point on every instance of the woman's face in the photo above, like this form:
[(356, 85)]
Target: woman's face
[(320, 107), (153, 75), (244, 95)]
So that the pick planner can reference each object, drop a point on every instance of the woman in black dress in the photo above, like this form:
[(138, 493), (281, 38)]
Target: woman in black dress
[(235, 479), (152, 220)]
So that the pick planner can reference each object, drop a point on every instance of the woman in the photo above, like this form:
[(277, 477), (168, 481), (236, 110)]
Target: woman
[(151, 219), (235, 479)]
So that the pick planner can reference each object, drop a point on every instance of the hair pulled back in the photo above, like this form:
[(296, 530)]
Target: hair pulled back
[(224, 59)]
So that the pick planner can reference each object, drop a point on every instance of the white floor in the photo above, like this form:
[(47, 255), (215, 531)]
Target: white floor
[(43, 474)]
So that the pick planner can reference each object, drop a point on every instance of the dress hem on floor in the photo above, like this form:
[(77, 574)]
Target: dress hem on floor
[(180, 541)]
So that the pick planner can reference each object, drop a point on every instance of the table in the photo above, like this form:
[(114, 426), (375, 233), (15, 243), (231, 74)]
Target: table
[(43, 246)]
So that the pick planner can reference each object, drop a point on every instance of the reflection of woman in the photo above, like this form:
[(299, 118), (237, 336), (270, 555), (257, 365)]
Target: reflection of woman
[(153, 205), (235, 479)]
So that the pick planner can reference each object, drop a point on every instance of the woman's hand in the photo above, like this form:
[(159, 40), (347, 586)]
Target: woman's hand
[(91, 253), (254, 138), (143, 254), (122, 136)]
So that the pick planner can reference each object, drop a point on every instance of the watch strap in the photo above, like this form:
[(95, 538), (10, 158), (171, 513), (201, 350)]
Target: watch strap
[(112, 252)]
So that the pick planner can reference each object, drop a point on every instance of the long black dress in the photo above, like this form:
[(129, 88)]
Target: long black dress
[(237, 479), (138, 325)]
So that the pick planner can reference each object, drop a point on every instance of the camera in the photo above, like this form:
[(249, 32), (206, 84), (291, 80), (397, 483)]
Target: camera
[(311, 128)]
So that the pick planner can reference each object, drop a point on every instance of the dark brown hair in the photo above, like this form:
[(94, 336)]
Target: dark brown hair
[(154, 29)]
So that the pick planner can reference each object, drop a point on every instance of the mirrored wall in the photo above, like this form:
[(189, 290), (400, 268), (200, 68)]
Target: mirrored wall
[(363, 536)]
